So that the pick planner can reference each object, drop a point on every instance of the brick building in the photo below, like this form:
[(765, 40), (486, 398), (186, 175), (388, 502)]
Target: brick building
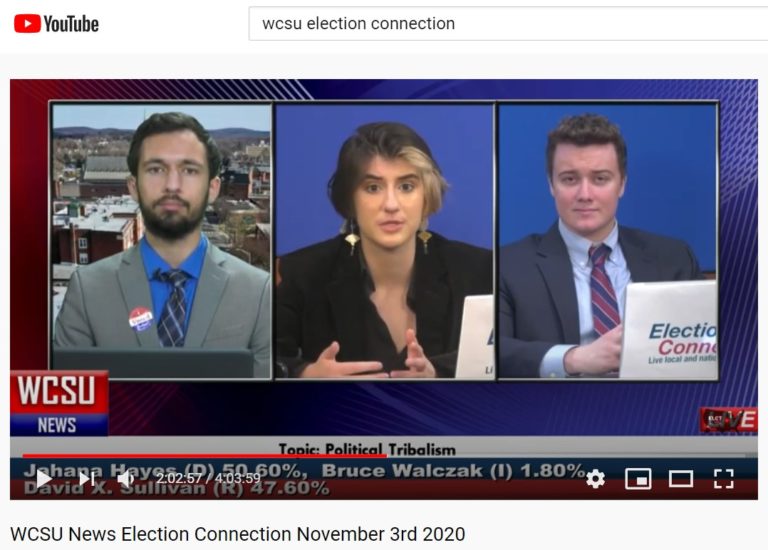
[(84, 233), (104, 176)]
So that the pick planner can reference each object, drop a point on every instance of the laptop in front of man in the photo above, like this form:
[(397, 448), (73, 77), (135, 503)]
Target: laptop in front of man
[(670, 331), (158, 364)]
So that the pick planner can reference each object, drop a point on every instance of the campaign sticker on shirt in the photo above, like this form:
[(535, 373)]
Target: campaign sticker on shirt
[(140, 319)]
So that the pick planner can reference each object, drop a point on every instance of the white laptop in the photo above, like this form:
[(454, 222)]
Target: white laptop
[(670, 331), (476, 358)]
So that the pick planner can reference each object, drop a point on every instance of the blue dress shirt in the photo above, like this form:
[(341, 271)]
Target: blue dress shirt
[(161, 291)]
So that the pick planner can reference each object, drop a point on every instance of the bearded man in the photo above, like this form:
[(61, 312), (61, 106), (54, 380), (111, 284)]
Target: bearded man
[(174, 288)]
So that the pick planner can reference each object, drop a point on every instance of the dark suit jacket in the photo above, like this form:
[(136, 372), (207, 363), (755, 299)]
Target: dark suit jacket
[(231, 309), (320, 299), (537, 293)]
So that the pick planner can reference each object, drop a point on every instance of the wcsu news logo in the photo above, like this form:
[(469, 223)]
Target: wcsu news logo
[(728, 419), (62, 403)]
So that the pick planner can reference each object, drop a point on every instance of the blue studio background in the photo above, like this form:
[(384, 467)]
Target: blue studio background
[(307, 142), (671, 169)]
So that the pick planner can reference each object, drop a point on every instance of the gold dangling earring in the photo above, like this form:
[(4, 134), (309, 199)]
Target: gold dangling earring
[(352, 238), (424, 236)]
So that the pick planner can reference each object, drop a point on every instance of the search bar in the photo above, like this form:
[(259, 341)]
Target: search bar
[(581, 24)]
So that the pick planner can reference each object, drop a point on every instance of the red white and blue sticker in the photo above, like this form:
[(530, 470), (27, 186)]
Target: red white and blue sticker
[(140, 319)]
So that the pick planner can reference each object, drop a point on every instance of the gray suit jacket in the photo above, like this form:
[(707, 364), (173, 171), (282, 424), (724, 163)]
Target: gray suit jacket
[(231, 309), (538, 308)]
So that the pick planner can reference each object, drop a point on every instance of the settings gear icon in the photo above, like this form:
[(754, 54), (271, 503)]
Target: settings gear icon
[(595, 478)]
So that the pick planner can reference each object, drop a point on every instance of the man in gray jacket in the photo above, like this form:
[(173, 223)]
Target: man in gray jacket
[(174, 288)]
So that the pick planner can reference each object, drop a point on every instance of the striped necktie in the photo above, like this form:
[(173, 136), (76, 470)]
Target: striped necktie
[(605, 309), (170, 329)]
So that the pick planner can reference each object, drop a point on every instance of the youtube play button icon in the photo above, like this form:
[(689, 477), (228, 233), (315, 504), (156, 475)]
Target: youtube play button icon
[(27, 23)]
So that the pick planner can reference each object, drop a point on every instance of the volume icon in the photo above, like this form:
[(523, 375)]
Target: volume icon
[(126, 478)]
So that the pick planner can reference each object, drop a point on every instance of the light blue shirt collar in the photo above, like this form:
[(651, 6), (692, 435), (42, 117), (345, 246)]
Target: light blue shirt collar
[(578, 247)]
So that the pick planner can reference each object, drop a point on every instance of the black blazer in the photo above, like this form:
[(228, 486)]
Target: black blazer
[(320, 299), (537, 294)]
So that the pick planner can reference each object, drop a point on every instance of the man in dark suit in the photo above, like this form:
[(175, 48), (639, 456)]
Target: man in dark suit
[(561, 294), (174, 288)]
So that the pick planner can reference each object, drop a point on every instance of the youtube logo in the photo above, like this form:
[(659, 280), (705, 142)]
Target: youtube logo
[(32, 22), (27, 22)]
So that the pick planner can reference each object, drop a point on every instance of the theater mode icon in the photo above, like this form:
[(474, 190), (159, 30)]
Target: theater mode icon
[(27, 23)]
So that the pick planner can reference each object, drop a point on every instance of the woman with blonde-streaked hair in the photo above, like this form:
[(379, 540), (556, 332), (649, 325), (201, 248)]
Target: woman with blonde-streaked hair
[(384, 298)]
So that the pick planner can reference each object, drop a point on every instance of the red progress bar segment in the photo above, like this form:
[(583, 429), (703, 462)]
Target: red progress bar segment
[(193, 455)]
